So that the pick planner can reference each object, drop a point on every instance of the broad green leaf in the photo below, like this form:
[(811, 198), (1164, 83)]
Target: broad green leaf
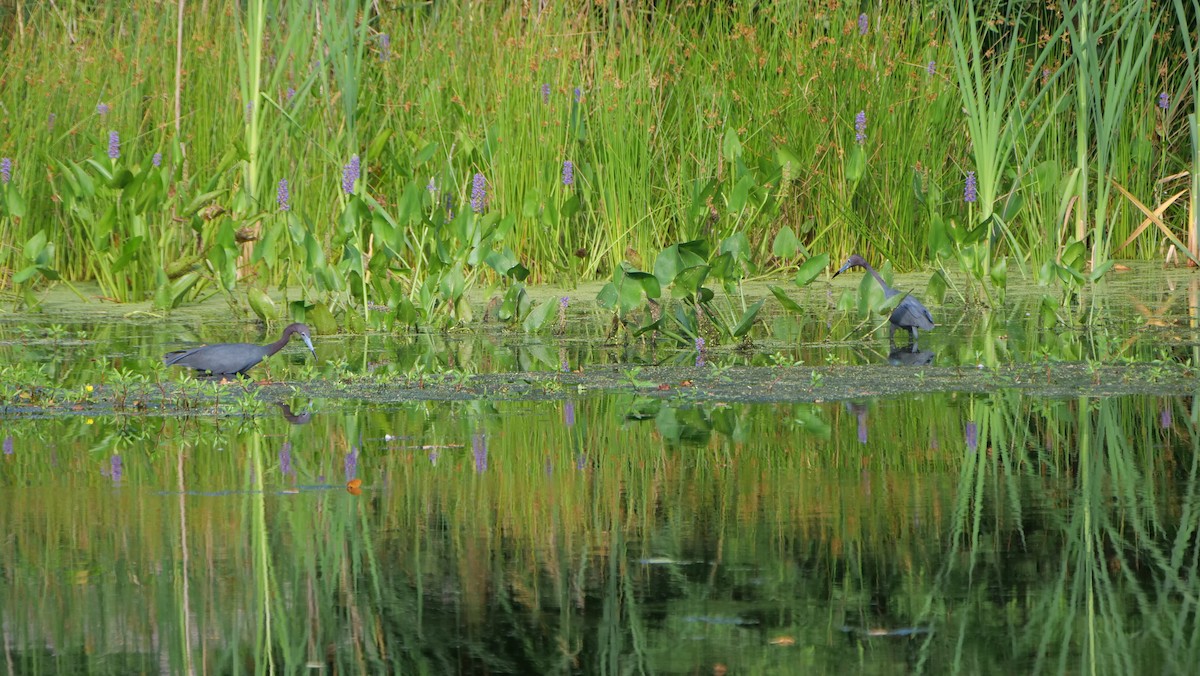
[(731, 146), (935, 291), (744, 325), (999, 273), (787, 303), (811, 268), (607, 298), (785, 244), (856, 165), (15, 204), (689, 281), (1101, 270), (647, 282), (538, 317), (261, 304), (375, 147)]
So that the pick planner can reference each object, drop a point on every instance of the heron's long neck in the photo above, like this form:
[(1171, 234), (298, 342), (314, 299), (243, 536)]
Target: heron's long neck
[(879, 279), (279, 344)]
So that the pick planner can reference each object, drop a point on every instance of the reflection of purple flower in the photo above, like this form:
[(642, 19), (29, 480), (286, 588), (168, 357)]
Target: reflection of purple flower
[(350, 174), (972, 433), (479, 447), (285, 458), (549, 467), (156, 160), (350, 465), (862, 426), (1163, 101), (114, 145), (860, 126), (478, 193), (283, 196), (581, 462), (699, 351), (5, 169), (115, 469), (8, 445), (546, 93), (569, 414), (50, 121), (970, 194), (568, 173), (862, 24), (1164, 421), (433, 457)]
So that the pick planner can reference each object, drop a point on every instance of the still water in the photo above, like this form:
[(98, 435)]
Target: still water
[(1016, 502)]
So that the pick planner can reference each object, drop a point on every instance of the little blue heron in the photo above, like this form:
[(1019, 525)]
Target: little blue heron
[(235, 358), (909, 313)]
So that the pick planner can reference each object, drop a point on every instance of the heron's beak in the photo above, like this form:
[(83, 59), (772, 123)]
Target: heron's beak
[(840, 271), (308, 342)]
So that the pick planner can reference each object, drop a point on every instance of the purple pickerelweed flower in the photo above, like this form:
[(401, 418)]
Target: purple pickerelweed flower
[(860, 127), (8, 445), (291, 94), (102, 109), (546, 92), (931, 68), (283, 196), (479, 448), (581, 462), (563, 302), (972, 433), (5, 169), (115, 469), (433, 457), (578, 94), (350, 174), (285, 458), (862, 426), (249, 110), (50, 121), (350, 464), (431, 186), (862, 24), (568, 173), (569, 414), (1164, 421), (478, 193), (549, 467), (385, 47), (1163, 100), (449, 207), (970, 194), (114, 145), (156, 159)]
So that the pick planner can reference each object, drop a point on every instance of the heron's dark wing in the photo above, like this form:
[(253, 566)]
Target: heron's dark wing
[(224, 358), (910, 313)]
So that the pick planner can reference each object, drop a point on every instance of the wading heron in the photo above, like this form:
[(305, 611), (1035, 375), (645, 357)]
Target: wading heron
[(909, 313), (235, 358)]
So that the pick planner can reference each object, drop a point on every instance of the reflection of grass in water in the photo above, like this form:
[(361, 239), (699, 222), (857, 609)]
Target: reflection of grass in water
[(768, 522)]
